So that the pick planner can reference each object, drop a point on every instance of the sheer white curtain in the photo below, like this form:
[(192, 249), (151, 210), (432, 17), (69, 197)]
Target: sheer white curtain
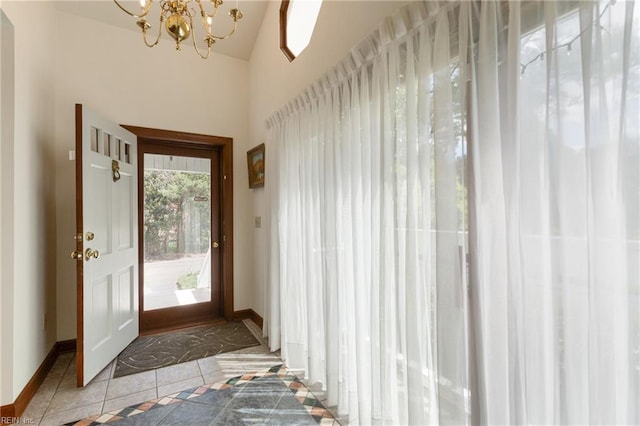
[(367, 233), (368, 205), (555, 216)]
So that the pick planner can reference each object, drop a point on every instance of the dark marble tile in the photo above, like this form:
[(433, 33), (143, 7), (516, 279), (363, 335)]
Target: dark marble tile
[(289, 411), (269, 381), (219, 398), (150, 418), (290, 404), (290, 419), (260, 401), (191, 413), (267, 386), (228, 417)]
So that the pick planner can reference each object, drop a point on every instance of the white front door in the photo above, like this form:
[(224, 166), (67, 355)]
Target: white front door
[(107, 241)]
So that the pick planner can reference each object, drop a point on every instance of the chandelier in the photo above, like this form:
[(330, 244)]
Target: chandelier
[(178, 16)]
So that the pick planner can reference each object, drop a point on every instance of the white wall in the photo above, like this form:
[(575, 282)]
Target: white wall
[(28, 208), (274, 81), (110, 70)]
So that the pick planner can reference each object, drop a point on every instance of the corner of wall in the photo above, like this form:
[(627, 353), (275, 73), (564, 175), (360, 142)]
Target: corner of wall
[(6, 207)]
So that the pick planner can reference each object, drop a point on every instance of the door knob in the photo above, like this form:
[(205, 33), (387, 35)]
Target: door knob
[(88, 254), (76, 255), (216, 244)]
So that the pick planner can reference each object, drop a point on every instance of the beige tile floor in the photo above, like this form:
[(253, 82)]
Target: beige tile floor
[(59, 401)]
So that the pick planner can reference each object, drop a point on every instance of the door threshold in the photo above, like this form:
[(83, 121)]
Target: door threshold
[(177, 327)]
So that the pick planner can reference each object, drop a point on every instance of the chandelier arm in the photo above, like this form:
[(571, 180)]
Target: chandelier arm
[(215, 10), (204, 14), (204, 18), (235, 25), (195, 45), (144, 13), (144, 34)]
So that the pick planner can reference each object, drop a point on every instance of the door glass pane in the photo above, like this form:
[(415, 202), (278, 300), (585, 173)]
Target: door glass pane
[(177, 231)]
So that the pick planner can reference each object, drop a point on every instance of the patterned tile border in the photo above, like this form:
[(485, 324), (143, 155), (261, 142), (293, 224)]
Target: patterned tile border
[(310, 402)]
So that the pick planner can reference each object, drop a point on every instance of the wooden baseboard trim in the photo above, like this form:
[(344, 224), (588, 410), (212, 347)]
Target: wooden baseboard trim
[(17, 408), (66, 346), (248, 314)]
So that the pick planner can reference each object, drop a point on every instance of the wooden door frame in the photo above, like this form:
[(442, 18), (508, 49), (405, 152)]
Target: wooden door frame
[(225, 147), (80, 248)]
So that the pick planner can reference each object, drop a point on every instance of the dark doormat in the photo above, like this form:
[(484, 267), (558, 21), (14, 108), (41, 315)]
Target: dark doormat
[(151, 352)]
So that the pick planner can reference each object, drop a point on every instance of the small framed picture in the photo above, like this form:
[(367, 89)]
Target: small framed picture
[(255, 165)]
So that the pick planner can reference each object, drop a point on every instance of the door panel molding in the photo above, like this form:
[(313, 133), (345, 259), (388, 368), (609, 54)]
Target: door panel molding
[(224, 145)]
